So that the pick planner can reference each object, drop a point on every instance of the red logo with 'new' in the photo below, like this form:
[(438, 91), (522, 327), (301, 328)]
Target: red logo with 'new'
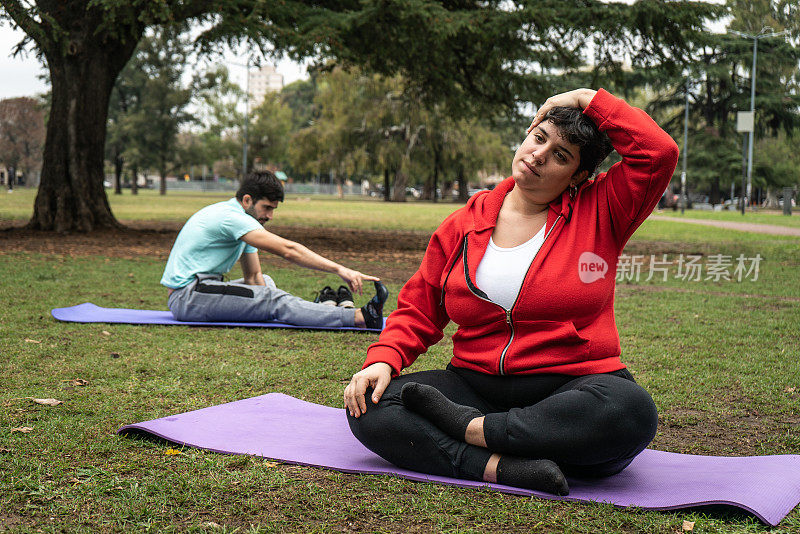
[(591, 267)]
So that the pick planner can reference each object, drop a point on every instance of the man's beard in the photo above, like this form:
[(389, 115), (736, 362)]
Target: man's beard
[(251, 211)]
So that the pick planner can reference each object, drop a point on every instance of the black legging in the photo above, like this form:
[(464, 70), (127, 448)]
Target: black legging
[(591, 425)]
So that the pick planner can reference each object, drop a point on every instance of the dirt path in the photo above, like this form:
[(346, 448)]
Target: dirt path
[(758, 228)]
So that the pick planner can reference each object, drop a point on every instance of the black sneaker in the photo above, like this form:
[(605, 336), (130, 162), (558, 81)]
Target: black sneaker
[(373, 310), (344, 298), (327, 296)]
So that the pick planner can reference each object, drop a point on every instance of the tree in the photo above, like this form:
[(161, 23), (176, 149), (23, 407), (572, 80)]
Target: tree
[(719, 86), (151, 126), (268, 136), (21, 134), (299, 96), (463, 147), (460, 53), (221, 123)]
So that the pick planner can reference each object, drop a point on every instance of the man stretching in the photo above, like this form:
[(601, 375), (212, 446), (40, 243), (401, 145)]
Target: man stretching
[(215, 237)]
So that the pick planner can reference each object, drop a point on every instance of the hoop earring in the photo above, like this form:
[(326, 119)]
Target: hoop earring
[(573, 191)]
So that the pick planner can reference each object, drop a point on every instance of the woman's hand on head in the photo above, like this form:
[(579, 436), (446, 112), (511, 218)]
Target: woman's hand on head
[(377, 376), (577, 98)]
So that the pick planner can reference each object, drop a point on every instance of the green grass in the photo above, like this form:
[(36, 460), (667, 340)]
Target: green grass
[(321, 211), (760, 217), (719, 358)]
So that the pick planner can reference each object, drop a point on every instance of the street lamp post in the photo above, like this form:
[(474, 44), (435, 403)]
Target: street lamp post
[(246, 110), (764, 32), (685, 147), (246, 120)]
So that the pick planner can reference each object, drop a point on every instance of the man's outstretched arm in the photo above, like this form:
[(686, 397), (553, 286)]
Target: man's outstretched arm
[(303, 256)]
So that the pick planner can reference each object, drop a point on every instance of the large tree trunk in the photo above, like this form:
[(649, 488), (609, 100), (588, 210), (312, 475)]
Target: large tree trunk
[(71, 194), (386, 184)]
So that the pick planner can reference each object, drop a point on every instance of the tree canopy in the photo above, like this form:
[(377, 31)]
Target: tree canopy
[(465, 55), (719, 86)]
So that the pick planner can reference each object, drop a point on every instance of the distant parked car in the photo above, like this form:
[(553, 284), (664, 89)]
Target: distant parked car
[(413, 192)]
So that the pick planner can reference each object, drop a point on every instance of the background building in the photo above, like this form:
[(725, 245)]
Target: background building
[(262, 81)]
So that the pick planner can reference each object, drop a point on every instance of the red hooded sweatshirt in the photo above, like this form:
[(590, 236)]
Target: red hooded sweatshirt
[(563, 318)]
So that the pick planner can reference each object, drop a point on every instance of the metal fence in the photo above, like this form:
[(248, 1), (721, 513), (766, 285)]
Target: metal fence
[(291, 188)]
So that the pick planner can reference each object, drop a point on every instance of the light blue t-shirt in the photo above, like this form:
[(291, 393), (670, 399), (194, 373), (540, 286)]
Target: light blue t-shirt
[(209, 242)]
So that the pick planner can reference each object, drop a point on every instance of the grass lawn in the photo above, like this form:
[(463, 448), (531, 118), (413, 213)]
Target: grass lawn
[(760, 217), (719, 357), (323, 211), (319, 211)]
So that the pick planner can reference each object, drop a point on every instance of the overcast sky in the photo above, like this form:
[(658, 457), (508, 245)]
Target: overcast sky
[(19, 76)]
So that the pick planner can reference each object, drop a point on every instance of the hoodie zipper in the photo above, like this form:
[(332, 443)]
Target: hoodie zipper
[(474, 290)]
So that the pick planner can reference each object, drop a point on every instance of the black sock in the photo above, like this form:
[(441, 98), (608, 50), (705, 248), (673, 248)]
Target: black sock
[(542, 475), (429, 402)]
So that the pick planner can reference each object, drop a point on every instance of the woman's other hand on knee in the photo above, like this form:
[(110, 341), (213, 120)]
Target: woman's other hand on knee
[(377, 376)]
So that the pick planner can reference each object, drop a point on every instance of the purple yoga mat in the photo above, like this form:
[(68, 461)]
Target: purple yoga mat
[(283, 428), (89, 313)]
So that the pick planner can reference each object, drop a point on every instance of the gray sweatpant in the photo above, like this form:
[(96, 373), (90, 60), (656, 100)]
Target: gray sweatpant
[(208, 298)]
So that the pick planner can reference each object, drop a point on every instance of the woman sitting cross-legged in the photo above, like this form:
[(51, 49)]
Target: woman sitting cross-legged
[(535, 388)]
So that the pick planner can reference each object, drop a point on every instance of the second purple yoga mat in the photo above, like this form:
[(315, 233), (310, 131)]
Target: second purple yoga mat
[(90, 313), (281, 427)]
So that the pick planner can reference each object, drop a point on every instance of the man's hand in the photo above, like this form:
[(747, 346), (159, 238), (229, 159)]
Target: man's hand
[(355, 279), (377, 376), (577, 98)]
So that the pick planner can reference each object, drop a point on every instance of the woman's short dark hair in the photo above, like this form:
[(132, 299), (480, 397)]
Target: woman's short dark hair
[(261, 184), (580, 130)]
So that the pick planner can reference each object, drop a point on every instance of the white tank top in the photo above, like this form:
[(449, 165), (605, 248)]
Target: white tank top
[(502, 270)]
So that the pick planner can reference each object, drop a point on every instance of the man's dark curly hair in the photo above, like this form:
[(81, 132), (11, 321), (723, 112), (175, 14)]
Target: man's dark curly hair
[(579, 130), (261, 184)]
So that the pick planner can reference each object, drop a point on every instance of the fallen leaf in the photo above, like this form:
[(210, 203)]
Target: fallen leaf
[(31, 341), (271, 464), (47, 402), (688, 526), (78, 382), (3, 450), (210, 524), (106, 333), (172, 452), (23, 429), (789, 390)]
